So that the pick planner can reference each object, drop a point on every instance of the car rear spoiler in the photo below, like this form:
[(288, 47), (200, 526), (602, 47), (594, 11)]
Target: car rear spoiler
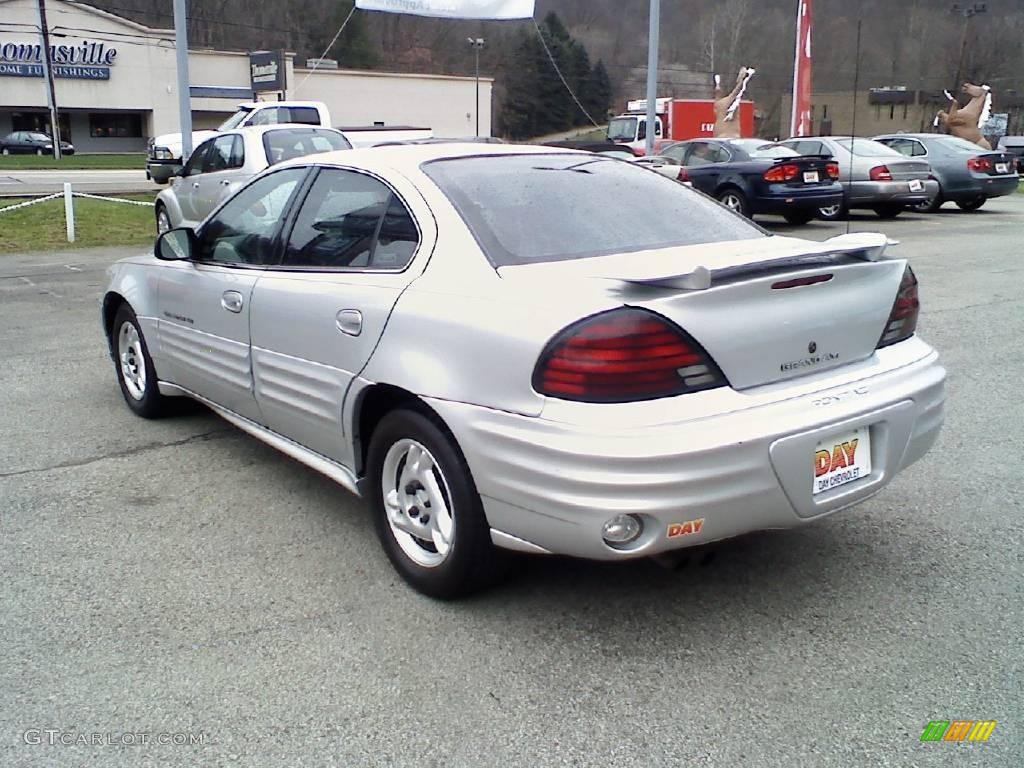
[(844, 249)]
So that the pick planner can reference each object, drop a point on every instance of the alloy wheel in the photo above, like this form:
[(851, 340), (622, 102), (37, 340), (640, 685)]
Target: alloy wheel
[(133, 363), (417, 503)]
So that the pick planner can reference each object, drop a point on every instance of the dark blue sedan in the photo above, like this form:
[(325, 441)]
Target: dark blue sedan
[(752, 177)]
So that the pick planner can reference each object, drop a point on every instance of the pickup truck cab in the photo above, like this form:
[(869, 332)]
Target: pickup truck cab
[(164, 157)]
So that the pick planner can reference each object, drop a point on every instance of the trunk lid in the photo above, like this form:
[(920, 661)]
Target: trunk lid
[(907, 170), (765, 310)]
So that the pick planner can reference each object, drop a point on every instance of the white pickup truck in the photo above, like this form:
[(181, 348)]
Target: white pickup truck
[(163, 160)]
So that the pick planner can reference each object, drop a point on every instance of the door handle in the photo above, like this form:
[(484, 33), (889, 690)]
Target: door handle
[(232, 301), (195, 185), (225, 183), (349, 322)]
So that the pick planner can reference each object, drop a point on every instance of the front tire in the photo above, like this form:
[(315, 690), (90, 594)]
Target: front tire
[(39, 153), (134, 367), (426, 508), (6, 151), (931, 205), (971, 205), (163, 219), (735, 201)]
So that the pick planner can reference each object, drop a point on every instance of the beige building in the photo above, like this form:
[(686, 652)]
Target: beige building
[(887, 110), (116, 83)]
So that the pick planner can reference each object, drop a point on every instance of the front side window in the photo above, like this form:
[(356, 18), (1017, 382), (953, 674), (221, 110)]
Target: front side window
[(266, 116), (197, 159), (244, 229), (554, 207), (218, 157), (350, 221), (304, 115)]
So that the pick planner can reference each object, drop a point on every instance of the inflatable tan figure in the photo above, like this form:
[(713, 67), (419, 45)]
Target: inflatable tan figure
[(965, 122), (727, 107)]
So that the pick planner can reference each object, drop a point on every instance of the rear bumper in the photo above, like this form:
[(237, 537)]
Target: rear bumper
[(988, 186), (864, 194), (548, 486), (785, 201)]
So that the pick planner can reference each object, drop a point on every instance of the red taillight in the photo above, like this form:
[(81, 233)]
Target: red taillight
[(980, 164), (903, 319), (881, 173), (782, 173), (833, 171), (623, 356)]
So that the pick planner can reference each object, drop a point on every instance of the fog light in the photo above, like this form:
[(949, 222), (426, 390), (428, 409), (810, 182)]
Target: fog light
[(621, 529)]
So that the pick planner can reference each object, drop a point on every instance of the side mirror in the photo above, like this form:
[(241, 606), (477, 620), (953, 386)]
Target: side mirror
[(175, 244)]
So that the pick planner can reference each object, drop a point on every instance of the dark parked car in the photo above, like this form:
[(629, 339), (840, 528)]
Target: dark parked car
[(753, 177), (1013, 145), (967, 174), (31, 143)]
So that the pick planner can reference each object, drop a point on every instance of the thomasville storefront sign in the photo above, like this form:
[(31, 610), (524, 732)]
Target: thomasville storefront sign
[(82, 61)]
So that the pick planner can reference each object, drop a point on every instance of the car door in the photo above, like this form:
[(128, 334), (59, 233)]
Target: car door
[(223, 169), (702, 161), (186, 186), (204, 303), (317, 318)]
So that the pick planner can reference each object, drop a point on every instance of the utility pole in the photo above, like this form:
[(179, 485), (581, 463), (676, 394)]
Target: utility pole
[(51, 94), (968, 11), (653, 41), (477, 44), (184, 94)]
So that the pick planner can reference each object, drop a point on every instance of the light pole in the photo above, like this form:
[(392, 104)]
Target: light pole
[(968, 11), (477, 44)]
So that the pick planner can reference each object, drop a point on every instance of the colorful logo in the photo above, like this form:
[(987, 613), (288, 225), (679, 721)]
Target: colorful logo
[(843, 455), (692, 528), (958, 730)]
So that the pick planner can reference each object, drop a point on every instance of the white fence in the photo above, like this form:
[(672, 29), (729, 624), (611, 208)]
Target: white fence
[(69, 205)]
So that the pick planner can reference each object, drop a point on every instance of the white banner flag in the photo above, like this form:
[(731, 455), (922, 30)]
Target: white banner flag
[(454, 9)]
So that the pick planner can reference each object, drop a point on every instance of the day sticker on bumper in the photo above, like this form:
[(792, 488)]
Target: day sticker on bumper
[(842, 458)]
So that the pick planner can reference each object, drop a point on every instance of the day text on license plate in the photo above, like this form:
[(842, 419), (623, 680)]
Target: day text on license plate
[(811, 177), (1002, 168), (842, 458), (916, 185)]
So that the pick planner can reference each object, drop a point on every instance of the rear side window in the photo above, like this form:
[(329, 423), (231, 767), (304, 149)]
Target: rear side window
[(304, 115), (526, 209), (351, 221)]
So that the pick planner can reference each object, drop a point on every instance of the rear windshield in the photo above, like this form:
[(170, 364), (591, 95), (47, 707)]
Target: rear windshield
[(759, 149), (525, 209), (288, 143), (952, 144), (866, 147)]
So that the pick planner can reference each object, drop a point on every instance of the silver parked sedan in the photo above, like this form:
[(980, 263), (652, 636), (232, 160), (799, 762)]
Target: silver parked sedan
[(223, 163), (873, 176), (965, 173), (464, 336)]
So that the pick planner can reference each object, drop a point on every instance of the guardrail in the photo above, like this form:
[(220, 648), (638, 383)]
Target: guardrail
[(69, 205)]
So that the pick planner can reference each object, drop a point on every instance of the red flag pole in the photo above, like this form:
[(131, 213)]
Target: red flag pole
[(800, 124)]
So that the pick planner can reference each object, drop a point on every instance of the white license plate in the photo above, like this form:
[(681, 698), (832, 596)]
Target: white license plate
[(916, 185), (1002, 167), (811, 177), (842, 458)]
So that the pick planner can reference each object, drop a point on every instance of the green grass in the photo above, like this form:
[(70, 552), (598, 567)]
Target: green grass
[(41, 227), (113, 162)]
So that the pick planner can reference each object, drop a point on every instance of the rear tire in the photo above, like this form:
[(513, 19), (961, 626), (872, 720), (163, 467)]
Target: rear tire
[(426, 509), (39, 153), (971, 205), (837, 212), (735, 200), (134, 367), (6, 151), (798, 218), (889, 211)]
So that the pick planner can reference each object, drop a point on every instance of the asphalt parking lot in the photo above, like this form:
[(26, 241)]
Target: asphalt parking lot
[(180, 577)]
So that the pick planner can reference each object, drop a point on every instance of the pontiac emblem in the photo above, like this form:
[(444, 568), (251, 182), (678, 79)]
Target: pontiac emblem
[(812, 347)]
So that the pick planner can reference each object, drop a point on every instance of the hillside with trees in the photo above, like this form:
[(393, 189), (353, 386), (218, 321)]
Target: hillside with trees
[(601, 45)]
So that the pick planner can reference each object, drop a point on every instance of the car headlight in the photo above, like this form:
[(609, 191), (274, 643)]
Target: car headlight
[(162, 153)]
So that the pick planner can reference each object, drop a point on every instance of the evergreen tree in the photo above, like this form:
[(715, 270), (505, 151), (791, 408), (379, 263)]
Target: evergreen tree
[(353, 48)]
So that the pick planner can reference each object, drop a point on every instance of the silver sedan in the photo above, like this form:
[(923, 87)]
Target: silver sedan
[(873, 176), (223, 163), (464, 336)]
